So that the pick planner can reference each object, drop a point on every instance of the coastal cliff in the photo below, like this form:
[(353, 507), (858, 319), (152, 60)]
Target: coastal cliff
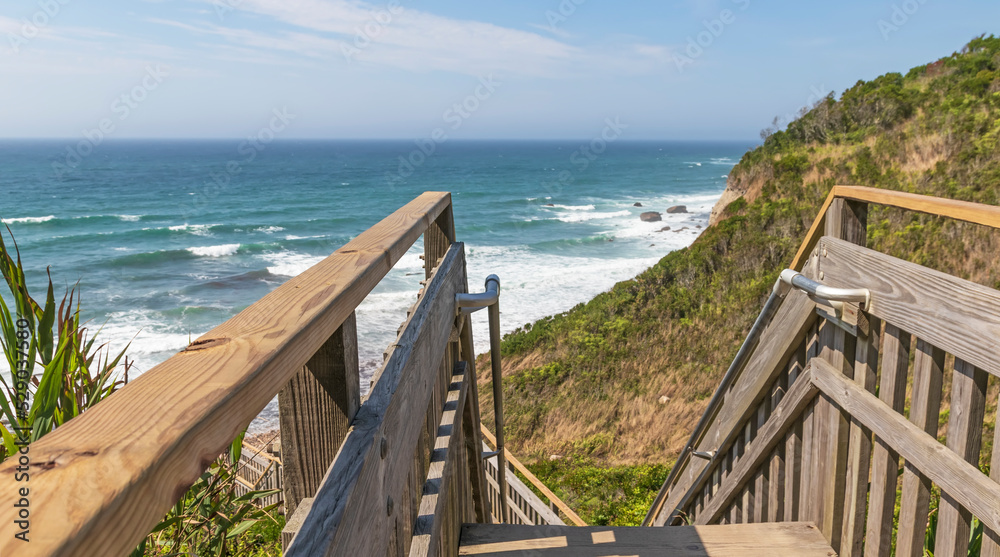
[(618, 383)]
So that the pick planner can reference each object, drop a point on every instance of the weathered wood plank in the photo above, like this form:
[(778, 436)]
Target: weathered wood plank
[(315, 410), (925, 405), (787, 413), (953, 474), (837, 348), (762, 488), (439, 518), (473, 438), (438, 237), (885, 461), (991, 538), (966, 316), (747, 540), (860, 446), (124, 451), (294, 521), (960, 210), (776, 468), (965, 434), (779, 340), (793, 445), (365, 485)]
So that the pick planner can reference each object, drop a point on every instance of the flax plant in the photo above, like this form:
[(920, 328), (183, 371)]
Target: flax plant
[(57, 370)]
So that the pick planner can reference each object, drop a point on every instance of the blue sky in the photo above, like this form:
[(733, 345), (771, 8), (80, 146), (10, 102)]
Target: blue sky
[(681, 69)]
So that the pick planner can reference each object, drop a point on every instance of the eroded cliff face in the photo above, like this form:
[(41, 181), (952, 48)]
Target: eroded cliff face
[(747, 184)]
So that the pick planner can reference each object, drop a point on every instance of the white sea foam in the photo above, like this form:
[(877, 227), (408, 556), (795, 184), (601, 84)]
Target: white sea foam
[(289, 263), (294, 237), (196, 229), (129, 218), (582, 217), (150, 339), (573, 207), (269, 229), (215, 251), (29, 220)]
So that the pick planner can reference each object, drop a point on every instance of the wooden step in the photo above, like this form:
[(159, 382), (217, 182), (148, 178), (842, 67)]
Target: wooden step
[(743, 540)]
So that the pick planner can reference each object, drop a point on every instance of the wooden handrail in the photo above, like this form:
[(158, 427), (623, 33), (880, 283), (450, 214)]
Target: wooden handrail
[(535, 481), (986, 215), (100, 483)]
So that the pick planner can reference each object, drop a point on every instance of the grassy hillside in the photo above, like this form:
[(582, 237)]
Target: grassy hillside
[(583, 389)]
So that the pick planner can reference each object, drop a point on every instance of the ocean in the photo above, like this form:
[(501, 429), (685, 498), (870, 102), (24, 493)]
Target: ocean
[(168, 239)]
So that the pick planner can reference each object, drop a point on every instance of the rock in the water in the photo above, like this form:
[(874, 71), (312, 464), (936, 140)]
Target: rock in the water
[(677, 209), (697, 226), (637, 204), (650, 216), (681, 229), (665, 229), (549, 205), (664, 399)]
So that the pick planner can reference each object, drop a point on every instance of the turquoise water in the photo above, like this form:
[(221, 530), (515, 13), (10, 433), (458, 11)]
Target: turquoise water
[(170, 238)]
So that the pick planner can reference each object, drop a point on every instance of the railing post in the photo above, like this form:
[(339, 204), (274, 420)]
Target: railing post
[(846, 220), (437, 239), (315, 410)]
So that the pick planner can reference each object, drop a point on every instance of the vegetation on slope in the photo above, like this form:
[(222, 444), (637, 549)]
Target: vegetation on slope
[(586, 385)]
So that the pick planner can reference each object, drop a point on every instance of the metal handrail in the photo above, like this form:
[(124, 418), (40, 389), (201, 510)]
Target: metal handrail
[(490, 299)]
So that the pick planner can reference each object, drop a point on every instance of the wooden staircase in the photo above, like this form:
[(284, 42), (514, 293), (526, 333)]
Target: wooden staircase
[(798, 452)]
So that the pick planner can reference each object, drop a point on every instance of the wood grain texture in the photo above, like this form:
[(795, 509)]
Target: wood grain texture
[(784, 416), (885, 461), (294, 521), (440, 517), (991, 538), (793, 445), (354, 498), (748, 540), (131, 457), (776, 468), (953, 474), (838, 349), (473, 437), (315, 410), (986, 215), (925, 405), (779, 340), (965, 435), (860, 447), (959, 316)]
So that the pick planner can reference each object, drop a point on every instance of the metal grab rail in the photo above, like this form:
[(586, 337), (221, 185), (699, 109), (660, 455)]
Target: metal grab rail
[(794, 279), (490, 299)]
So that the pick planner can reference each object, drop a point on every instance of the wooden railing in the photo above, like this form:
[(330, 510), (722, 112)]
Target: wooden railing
[(526, 507), (259, 471), (814, 427), (400, 469)]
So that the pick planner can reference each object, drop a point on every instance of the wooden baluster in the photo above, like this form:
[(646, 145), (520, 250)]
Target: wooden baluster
[(437, 239), (991, 538), (748, 489), (860, 446), (833, 435), (761, 488), (793, 446), (776, 467), (965, 435), (925, 405), (885, 461), (315, 410)]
